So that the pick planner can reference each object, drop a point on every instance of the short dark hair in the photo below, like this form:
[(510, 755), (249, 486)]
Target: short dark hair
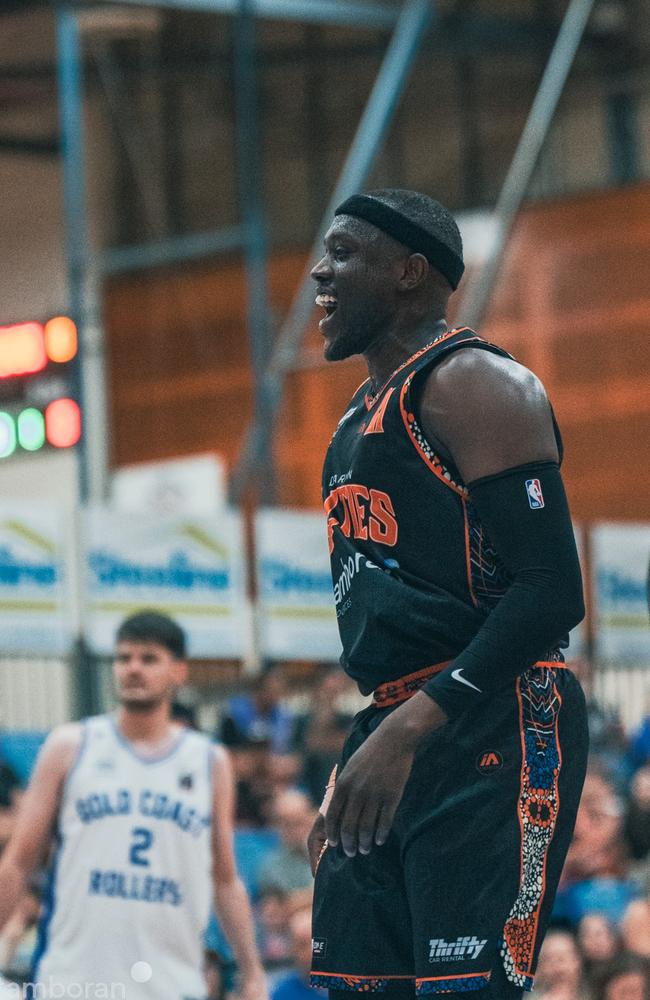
[(153, 626), (416, 220)]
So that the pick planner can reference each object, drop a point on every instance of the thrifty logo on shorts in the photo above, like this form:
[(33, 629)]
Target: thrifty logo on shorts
[(462, 949)]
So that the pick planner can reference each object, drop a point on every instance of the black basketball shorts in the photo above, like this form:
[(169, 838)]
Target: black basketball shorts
[(460, 894)]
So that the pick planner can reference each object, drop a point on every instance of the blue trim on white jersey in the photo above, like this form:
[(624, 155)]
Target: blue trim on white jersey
[(49, 902), (49, 907), (144, 758)]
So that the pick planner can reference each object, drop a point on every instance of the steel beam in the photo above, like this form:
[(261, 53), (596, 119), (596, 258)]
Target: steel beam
[(480, 287), (415, 19), (173, 250), (89, 378), (83, 289), (23, 145), (250, 177), (337, 12)]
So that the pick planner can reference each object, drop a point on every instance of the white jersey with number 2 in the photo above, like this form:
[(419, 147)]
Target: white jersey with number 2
[(131, 882)]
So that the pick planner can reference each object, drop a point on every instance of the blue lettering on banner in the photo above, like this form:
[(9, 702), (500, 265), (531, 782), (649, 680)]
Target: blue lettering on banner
[(13, 572), (139, 888), (613, 586), (278, 575), (179, 572)]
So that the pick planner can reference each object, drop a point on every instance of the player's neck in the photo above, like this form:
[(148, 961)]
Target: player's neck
[(152, 728), (387, 353)]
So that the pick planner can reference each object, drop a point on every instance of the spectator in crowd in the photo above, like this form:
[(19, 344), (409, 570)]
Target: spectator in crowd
[(287, 867), (319, 734), (599, 941), (260, 715), (595, 873), (295, 985), (184, 714), (272, 913), (636, 828), (627, 978), (607, 741), (253, 769), (636, 927), (560, 971)]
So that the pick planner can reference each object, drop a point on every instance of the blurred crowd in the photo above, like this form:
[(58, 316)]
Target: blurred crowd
[(598, 947)]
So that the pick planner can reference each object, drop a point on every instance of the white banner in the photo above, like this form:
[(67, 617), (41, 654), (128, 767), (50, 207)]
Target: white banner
[(188, 567), (578, 636), (296, 604), (36, 612), (620, 554)]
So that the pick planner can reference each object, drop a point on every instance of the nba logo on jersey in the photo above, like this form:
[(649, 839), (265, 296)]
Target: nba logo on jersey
[(535, 495)]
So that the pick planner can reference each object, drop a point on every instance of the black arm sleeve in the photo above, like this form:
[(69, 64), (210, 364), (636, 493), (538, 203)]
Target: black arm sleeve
[(526, 515)]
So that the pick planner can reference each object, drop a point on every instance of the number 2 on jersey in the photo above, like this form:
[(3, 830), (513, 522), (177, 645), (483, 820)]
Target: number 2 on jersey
[(142, 841)]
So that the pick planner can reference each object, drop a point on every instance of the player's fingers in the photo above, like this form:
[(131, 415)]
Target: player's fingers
[(384, 822), (334, 811), (367, 824), (350, 825)]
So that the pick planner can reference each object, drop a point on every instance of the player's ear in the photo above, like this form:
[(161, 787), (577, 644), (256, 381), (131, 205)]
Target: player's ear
[(414, 272)]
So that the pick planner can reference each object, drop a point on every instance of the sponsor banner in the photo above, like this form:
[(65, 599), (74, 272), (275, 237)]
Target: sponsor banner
[(620, 555), (36, 606), (188, 567), (297, 618)]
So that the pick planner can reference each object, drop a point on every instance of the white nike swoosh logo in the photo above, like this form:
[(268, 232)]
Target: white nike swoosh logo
[(457, 675)]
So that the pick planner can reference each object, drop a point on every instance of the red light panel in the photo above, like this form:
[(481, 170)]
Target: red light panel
[(62, 423), (22, 349)]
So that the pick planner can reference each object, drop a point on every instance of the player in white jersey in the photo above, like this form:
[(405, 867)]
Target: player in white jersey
[(141, 812)]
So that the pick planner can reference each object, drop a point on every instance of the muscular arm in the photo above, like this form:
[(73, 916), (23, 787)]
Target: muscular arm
[(230, 898), (36, 816), (492, 417)]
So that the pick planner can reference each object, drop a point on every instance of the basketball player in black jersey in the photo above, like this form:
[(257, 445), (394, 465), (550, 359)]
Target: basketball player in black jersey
[(456, 580)]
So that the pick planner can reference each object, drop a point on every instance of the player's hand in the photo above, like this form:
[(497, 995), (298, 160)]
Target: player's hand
[(370, 786), (253, 986), (316, 841), (367, 794)]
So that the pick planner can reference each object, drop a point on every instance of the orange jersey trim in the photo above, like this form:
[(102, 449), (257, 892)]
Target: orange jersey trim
[(433, 466), (466, 975), (356, 977), (468, 555), (372, 400), (402, 688), (393, 692)]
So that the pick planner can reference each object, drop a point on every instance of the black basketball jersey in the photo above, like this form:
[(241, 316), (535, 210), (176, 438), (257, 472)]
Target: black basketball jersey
[(414, 572)]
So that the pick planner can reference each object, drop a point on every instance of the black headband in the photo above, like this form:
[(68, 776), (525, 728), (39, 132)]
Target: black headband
[(391, 221)]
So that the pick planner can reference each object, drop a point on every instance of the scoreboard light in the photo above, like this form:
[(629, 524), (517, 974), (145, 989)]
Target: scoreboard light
[(60, 339), (62, 423), (26, 348), (22, 349), (30, 430), (7, 435)]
